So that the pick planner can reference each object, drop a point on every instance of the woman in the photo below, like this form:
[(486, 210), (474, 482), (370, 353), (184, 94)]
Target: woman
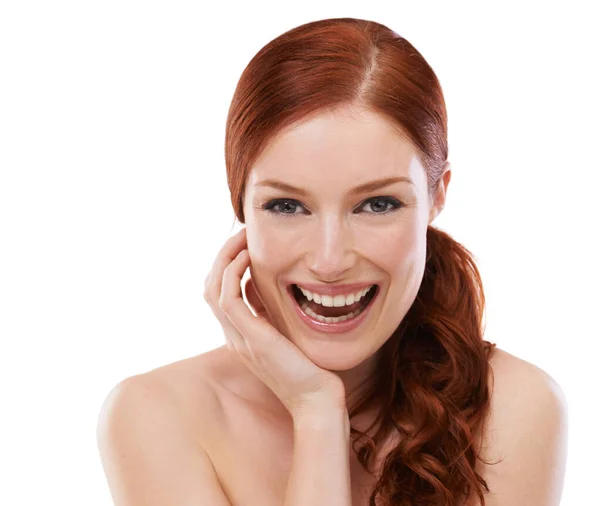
[(363, 377)]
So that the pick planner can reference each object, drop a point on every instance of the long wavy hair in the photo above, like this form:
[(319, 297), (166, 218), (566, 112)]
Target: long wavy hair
[(432, 382)]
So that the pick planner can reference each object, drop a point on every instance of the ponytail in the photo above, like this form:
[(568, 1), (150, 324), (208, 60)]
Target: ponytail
[(433, 386)]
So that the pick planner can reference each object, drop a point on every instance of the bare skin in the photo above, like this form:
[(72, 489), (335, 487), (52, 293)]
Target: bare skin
[(249, 438), (242, 403), (238, 408)]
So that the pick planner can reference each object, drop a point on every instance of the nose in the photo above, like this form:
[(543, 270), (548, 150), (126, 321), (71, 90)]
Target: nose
[(331, 251)]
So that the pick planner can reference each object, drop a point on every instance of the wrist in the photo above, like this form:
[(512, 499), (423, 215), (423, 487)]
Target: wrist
[(323, 402), (322, 418)]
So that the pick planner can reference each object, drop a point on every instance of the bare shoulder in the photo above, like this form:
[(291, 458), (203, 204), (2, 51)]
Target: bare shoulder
[(182, 394), (195, 383), (521, 390), (151, 432), (180, 390), (525, 440), (510, 367)]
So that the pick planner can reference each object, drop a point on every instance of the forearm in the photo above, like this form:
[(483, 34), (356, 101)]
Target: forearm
[(320, 472)]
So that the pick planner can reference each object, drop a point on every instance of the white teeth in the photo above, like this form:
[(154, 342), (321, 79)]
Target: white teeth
[(336, 301)]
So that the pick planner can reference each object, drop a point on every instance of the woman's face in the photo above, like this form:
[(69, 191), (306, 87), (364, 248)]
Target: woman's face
[(332, 236)]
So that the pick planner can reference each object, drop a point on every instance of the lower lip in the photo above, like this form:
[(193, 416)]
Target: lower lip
[(333, 328)]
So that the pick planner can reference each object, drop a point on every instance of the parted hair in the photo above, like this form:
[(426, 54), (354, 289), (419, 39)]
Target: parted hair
[(433, 374)]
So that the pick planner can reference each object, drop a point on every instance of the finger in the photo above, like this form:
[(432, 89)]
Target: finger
[(234, 337), (254, 299), (254, 330), (212, 289), (213, 282), (230, 345)]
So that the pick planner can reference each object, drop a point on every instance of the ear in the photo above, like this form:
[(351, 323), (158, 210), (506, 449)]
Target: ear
[(439, 199)]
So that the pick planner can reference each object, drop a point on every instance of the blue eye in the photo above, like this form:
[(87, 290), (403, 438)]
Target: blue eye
[(387, 201)]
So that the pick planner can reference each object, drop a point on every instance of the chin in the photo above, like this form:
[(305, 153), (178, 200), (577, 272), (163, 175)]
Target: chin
[(334, 355)]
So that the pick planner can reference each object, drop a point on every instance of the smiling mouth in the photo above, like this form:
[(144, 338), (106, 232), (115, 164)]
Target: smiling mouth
[(334, 311)]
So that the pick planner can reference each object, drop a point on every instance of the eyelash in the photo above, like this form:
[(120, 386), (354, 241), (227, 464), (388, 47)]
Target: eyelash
[(276, 202)]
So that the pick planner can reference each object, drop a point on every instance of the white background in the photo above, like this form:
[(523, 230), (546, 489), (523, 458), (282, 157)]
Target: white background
[(113, 200)]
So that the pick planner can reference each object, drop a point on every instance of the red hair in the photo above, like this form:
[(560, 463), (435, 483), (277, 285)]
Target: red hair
[(433, 375)]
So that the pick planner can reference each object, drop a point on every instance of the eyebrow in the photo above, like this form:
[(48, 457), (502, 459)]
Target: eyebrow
[(357, 190)]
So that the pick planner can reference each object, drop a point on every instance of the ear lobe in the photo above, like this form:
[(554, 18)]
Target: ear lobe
[(433, 214)]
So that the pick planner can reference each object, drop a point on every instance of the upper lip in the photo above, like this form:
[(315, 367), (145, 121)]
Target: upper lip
[(334, 289)]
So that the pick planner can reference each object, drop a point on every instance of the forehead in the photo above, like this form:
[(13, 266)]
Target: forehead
[(339, 148)]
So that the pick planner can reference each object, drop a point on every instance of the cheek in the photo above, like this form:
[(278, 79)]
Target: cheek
[(396, 249), (268, 249)]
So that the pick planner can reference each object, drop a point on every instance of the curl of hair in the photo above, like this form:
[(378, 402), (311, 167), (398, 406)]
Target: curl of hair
[(433, 383)]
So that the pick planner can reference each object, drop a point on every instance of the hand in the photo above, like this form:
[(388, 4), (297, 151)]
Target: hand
[(298, 382)]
